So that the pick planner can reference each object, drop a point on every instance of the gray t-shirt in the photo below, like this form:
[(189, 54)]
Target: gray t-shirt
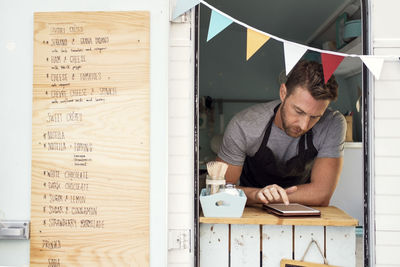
[(244, 134)]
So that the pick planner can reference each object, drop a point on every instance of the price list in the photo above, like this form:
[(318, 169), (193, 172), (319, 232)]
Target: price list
[(90, 139)]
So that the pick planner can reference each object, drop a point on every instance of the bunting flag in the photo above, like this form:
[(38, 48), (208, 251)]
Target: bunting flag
[(182, 6), (292, 53), (254, 41), (329, 64), (374, 64), (218, 23)]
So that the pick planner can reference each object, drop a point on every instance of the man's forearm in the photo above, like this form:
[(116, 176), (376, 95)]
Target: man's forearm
[(311, 194)]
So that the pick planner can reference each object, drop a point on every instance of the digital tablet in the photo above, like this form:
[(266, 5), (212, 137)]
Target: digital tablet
[(293, 209)]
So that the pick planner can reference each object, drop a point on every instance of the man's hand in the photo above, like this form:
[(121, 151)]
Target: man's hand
[(274, 193)]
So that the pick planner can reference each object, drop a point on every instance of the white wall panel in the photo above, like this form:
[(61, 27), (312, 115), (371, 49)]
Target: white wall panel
[(387, 166), (180, 53), (387, 255), (177, 257), (180, 221), (181, 137), (388, 238), (276, 236), (180, 165), (387, 109), (387, 127), (180, 184), (387, 185), (180, 108), (181, 145), (214, 245), (245, 245), (341, 246), (175, 129), (180, 70), (302, 238), (387, 204), (180, 203), (387, 223), (386, 41), (389, 147), (387, 90), (385, 17), (179, 31), (180, 89)]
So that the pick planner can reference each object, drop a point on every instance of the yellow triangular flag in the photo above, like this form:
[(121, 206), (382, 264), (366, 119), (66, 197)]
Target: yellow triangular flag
[(254, 41)]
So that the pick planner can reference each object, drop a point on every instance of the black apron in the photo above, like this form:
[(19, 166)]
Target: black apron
[(263, 169)]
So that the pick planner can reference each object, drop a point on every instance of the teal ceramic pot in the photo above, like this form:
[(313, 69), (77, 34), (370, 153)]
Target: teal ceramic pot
[(352, 29)]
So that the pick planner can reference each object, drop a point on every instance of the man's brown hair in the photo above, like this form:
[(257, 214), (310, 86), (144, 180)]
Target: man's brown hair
[(310, 75)]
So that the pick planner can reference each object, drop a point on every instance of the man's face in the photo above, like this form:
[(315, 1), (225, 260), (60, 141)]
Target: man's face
[(300, 111)]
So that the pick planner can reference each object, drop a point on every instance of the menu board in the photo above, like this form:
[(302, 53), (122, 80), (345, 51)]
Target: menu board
[(90, 139)]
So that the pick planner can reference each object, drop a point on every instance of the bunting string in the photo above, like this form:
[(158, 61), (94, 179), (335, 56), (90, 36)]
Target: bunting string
[(286, 41), (293, 51)]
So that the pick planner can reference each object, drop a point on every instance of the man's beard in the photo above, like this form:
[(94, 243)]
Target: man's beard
[(292, 131)]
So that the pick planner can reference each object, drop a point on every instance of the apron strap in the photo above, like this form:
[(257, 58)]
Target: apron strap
[(268, 128)]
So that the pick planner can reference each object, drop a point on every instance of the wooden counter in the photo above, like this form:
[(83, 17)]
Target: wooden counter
[(262, 238), (330, 216)]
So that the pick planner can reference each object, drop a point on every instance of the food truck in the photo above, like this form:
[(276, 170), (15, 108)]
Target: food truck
[(111, 112)]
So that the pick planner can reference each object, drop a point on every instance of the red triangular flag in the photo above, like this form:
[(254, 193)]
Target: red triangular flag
[(329, 64)]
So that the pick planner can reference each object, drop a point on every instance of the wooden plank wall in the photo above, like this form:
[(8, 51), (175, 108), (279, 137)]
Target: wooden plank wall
[(240, 245), (386, 92)]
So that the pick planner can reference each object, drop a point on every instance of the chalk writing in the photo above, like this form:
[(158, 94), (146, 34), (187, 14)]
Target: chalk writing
[(77, 186), (57, 30), (83, 147), (84, 210), (55, 146), (77, 199), (74, 116), (75, 29), (58, 93), (102, 40), (52, 173), (90, 76), (81, 160), (108, 90), (76, 175), (55, 209), (92, 223), (53, 185), (55, 198), (70, 223), (59, 77), (53, 262), (59, 42), (78, 92), (54, 135), (51, 244), (54, 117), (86, 41)]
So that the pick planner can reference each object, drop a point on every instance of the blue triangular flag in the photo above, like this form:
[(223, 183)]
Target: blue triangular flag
[(217, 24), (182, 6)]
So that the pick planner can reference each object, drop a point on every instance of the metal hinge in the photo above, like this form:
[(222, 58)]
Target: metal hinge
[(179, 239), (14, 230)]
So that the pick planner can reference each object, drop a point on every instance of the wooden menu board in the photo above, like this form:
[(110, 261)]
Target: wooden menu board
[(90, 139)]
